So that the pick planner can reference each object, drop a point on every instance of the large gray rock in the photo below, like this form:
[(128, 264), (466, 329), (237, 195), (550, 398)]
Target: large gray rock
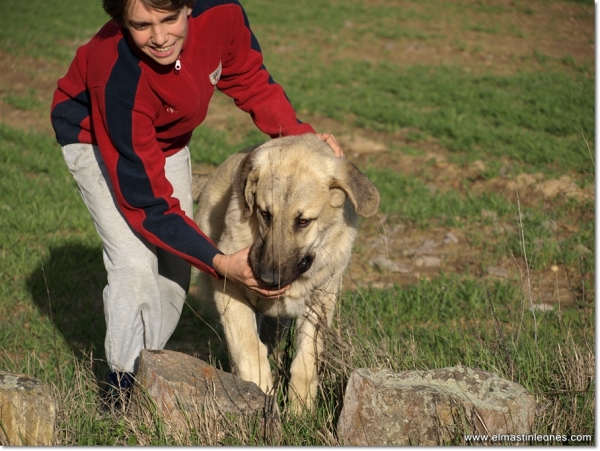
[(189, 393), (27, 411), (431, 408)]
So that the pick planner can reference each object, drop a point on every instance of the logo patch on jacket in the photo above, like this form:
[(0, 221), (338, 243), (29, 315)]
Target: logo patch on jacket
[(216, 75)]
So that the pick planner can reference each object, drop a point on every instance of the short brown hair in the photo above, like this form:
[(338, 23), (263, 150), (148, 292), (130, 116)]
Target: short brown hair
[(116, 9)]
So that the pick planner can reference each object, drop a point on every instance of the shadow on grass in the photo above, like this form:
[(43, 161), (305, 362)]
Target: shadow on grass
[(67, 288)]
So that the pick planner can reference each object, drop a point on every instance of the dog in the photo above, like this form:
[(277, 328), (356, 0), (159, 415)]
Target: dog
[(297, 205)]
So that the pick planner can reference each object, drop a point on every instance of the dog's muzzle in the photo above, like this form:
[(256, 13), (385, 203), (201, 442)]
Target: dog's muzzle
[(282, 275)]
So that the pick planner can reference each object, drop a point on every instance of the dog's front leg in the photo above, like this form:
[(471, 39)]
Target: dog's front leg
[(309, 344), (248, 354)]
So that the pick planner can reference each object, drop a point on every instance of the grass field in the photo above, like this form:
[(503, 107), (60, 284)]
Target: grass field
[(478, 119)]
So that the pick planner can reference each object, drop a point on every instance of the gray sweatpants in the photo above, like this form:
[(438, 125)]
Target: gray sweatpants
[(146, 286)]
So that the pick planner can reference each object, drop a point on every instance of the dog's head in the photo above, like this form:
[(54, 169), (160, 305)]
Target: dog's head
[(301, 198)]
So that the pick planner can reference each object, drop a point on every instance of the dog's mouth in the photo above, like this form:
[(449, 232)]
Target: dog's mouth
[(275, 276)]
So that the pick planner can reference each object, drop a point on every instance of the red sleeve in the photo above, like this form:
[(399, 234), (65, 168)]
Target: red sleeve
[(245, 79), (70, 111)]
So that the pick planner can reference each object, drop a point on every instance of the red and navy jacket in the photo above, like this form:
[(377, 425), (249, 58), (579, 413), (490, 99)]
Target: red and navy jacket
[(139, 112)]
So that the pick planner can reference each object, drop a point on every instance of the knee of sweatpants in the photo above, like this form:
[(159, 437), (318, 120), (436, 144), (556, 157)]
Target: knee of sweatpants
[(135, 266)]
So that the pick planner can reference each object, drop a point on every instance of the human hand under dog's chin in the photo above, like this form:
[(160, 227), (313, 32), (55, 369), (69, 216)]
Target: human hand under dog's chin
[(330, 139), (235, 266)]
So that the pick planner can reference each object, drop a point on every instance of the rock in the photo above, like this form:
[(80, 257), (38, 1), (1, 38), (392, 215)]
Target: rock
[(542, 307), (430, 408), (583, 250), (498, 272), (550, 225), (359, 145), (428, 261), (189, 393), (386, 265), (425, 248), (489, 214), (450, 238), (478, 166), (27, 411)]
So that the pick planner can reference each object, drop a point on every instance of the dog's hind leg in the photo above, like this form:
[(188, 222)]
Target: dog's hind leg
[(249, 356)]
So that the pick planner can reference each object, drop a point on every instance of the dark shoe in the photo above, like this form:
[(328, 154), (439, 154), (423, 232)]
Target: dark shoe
[(122, 381), (118, 392)]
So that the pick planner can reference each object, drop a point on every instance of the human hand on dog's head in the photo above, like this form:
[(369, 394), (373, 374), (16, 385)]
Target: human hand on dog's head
[(235, 266), (330, 139)]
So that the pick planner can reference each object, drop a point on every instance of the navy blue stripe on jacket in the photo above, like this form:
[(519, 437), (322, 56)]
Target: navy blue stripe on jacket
[(67, 116)]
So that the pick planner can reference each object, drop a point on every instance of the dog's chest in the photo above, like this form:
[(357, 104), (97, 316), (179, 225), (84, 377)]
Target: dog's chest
[(284, 307)]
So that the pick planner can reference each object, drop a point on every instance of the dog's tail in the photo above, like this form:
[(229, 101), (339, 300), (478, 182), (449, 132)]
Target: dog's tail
[(198, 183)]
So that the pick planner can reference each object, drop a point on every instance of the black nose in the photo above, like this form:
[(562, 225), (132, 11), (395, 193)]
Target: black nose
[(305, 264)]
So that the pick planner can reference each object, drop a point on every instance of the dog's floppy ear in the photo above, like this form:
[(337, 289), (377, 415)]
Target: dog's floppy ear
[(351, 183), (247, 179)]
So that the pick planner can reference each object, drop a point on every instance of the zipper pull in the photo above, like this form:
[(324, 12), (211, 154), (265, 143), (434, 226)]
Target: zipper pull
[(178, 64)]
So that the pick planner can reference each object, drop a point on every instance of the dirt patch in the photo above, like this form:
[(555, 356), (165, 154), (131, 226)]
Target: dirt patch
[(24, 76), (390, 254)]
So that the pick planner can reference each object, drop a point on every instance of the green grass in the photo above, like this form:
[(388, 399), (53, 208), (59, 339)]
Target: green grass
[(411, 199), (47, 29), (455, 321), (49, 251), (535, 119), (27, 102), (212, 146)]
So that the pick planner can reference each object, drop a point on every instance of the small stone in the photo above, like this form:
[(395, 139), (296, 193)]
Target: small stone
[(428, 260), (584, 250), (359, 145), (478, 166), (27, 411), (385, 265), (488, 214), (426, 247), (543, 307), (498, 272), (550, 225), (450, 238)]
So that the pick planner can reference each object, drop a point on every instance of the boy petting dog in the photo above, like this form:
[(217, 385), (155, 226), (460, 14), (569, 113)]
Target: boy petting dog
[(124, 114)]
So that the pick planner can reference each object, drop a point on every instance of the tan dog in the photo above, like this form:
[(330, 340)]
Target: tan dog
[(297, 205)]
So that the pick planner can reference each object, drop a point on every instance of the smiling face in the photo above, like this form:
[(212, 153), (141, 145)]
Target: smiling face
[(157, 33)]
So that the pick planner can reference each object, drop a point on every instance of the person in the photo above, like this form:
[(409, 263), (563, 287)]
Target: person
[(124, 114)]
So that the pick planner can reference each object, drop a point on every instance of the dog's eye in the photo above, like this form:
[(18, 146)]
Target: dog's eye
[(303, 222), (265, 214)]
